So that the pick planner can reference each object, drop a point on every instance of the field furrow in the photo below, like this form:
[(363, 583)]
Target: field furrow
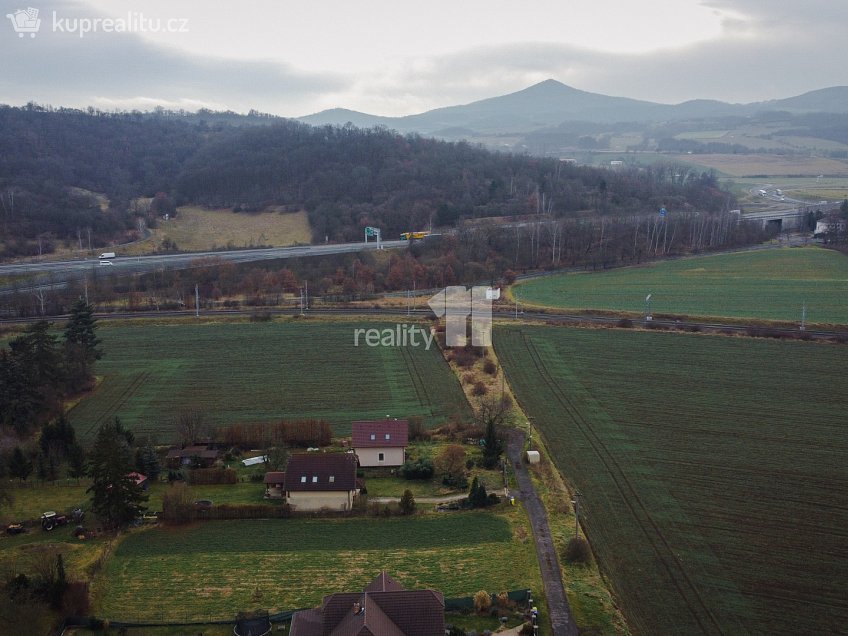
[(712, 469)]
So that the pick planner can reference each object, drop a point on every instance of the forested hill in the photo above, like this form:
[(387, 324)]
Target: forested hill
[(51, 160)]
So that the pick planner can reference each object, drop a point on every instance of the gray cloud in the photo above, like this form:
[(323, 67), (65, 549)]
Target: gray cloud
[(122, 68), (768, 52)]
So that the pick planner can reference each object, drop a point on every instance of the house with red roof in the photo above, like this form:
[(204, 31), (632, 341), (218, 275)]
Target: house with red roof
[(380, 442), (321, 481), (384, 608), (139, 479)]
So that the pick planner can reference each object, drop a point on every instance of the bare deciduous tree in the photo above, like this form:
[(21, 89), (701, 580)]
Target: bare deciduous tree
[(191, 426)]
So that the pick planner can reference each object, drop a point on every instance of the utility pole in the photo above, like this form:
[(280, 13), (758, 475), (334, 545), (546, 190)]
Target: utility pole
[(576, 503), (306, 282), (516, 305), (503, 380), (196, 301), (804, 316)]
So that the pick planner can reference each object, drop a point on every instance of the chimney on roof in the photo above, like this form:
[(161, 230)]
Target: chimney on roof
[(357, 609)]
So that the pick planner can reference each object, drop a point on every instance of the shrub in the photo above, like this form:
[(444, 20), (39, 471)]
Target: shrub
[(419, 469), (490, 367), (455, 481), (178, 504), (465, 357), (417, 432), (625, 323), (260, 316), (482, 601), (577, 551), (283, 433), (76, 600), (479, 389), (407, 502)]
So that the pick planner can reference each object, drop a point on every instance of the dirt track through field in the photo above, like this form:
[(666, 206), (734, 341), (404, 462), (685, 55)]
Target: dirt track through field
[(562, 622)]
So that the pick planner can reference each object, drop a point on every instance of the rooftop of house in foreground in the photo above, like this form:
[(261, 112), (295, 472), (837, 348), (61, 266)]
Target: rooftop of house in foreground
[(384, 608)]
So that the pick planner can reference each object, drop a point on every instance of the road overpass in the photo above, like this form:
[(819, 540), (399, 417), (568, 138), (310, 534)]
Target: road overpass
[(791, 218)]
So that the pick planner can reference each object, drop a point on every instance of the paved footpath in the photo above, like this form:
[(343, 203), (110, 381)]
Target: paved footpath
[(562, 622)]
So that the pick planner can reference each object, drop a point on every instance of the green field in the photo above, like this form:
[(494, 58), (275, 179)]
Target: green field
[(713, 473), (764, 285), (261, 372), (211, 570)]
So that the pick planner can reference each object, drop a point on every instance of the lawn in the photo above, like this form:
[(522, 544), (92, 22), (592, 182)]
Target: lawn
[(712, 471), (765, 285), (29, 501), (211, 570), (261, 372)]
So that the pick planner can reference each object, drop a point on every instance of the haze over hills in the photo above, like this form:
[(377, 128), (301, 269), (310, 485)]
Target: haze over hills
[(551, 103)]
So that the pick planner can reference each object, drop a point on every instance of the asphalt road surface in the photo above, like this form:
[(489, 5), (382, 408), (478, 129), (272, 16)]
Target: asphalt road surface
[(55, 273)]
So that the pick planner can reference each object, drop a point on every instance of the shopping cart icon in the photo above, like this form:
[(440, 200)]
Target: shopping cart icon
[(25, 21)]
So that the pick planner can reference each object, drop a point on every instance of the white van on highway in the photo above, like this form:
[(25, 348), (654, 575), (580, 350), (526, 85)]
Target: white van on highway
[(106, 255)]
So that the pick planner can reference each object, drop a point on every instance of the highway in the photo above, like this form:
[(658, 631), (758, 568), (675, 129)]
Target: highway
[(56, 273)]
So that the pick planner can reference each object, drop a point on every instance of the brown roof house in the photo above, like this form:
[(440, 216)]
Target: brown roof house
[(385, 608), (321, 481), (203, 456), (380, 442)]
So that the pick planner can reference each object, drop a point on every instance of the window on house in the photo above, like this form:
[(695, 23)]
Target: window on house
[(332, 479), (314, 479), (388, 436), (381, 457), (303, 479), (373, 436)]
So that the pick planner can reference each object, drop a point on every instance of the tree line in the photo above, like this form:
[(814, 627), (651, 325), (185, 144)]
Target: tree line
[(481, 252), (56, 163), (38, 371)]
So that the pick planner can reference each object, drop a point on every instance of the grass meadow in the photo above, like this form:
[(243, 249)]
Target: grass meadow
[(198, 229), (764, 285), (212, 570), (261, 372), (741, 165), (712, 471)]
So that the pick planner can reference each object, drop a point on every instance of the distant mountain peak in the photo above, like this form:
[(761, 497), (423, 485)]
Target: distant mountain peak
[(550, 103)]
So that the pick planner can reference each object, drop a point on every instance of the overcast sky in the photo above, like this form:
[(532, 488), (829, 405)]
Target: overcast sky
[(399, 57)]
